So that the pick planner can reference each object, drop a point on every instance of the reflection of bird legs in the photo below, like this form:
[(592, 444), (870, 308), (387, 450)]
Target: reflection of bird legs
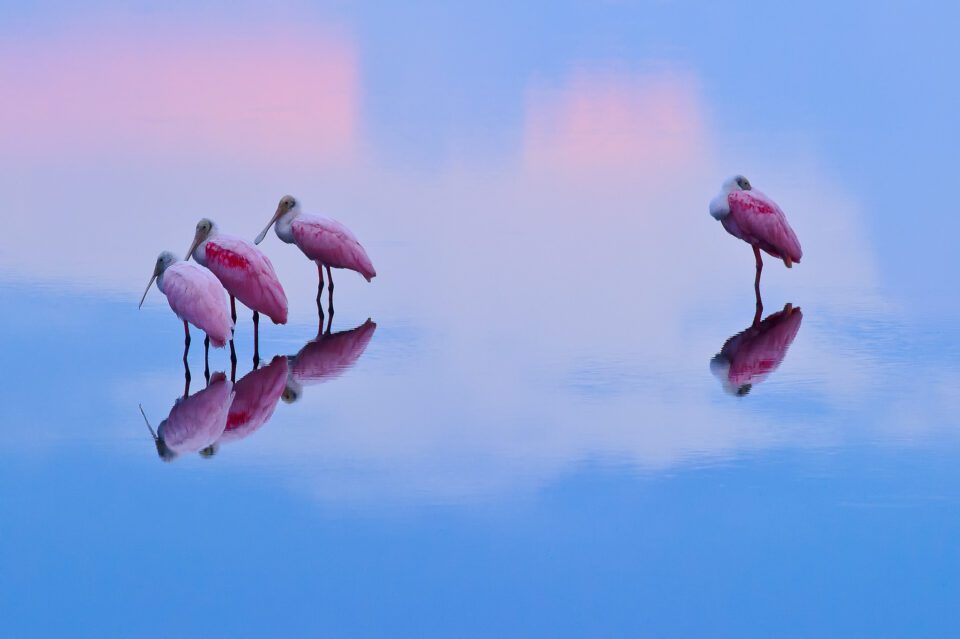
[(329, 325), (186, 378), (186, 348), (256, 340), (206, 358)]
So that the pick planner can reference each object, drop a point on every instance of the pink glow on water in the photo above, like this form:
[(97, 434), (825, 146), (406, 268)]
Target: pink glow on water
[(612, 121), (266, 92)]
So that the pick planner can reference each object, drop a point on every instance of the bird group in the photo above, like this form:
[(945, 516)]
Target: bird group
[(226, 266)]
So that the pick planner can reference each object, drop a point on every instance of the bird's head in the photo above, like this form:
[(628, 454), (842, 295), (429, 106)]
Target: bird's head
[(204, 228), (164, 261), (287, 204), (292, 392), (737, 183), (210, 451)]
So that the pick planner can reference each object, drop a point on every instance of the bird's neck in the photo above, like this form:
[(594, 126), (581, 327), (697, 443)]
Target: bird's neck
[(284, 226)]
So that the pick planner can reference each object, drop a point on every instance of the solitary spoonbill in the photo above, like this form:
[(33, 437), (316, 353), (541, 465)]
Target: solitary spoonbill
[(327, 242), (196, 296), (757, 220), (751, 355), (244, 271), (195, 422)]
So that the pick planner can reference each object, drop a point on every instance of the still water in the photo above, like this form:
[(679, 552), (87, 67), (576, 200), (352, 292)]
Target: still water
[(557, 411)]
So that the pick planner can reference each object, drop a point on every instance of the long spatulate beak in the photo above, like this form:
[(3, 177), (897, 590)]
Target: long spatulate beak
[(263, 233), (193, 246), (147, 290)]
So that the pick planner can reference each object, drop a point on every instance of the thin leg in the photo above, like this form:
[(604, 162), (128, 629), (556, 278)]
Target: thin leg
[(256, 340), (233, 363), (756, 282), (186, 378), (186, 344), (233, 308), (320, 292), (206, 358), (330, 289), (329, 324)]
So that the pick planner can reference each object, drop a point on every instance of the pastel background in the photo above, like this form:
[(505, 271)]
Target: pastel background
[(532, 443)]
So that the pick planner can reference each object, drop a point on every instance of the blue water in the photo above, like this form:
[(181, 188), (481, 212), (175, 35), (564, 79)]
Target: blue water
[(535, 441)]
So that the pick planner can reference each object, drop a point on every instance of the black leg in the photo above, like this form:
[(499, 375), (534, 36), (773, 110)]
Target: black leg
[(330, 289), (233, 309), (256, 340), (206, 358), (320, 292), (186, 343)]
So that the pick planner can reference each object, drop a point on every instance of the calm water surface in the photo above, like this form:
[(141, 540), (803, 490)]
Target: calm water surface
[(556, 411)]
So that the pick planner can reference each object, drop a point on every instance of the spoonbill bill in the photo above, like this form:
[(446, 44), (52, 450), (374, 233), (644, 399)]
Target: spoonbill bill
[(196, 296), (195, 422), (753, 217), (751, 355), (244, 271), (325, 241)]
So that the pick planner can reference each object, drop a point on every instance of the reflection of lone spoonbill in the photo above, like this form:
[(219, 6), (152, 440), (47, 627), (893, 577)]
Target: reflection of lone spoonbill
[(751, 355), (327, 242), (326, 358), (194, 422), (757, 220), (196, 296), (244, 271)]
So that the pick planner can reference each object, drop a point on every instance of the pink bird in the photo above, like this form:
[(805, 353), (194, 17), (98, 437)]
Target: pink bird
[(327, 242), (195, 422), (255, 397), (326, 358), (244, 271), (757, 220), (196, 296), (750, 356)]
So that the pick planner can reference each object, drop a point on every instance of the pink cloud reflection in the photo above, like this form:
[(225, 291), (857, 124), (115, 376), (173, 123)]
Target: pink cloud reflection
[(259, 93), (615, 122)]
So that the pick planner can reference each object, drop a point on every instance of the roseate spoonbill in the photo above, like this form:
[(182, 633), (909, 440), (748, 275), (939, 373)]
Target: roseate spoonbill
[(753, 217), (327, 242), (196, 296), (255, 397), (750, 356), (195, 422), (326, 358), (244, 271)]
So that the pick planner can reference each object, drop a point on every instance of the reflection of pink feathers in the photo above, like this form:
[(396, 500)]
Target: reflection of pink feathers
[(331, 243), (757, 220), (247, 274), (329, 355), (256, 396), (195, 295), (197, 421), (750, 356)]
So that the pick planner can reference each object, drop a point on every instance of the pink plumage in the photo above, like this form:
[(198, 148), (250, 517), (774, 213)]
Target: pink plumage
[(196, 421), (757, 220), (330, 354), (750, 356), (255, 398), (196, 296), (332, 244)]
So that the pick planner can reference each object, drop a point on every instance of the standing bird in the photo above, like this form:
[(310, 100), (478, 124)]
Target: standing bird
[(196, 296), (244, 271), (327, 242), (757, 220)]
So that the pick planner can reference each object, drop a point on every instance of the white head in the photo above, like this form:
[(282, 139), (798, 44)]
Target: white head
[(205, 228), (164, 261), (719, 205), (288, 204), (736, 183)]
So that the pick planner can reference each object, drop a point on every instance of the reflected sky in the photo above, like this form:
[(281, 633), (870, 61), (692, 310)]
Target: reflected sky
[(541, 428)]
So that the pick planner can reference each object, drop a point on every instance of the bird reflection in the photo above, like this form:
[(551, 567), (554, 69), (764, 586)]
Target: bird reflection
[(255, 397), (326, 358), (195, 421), (751, 355)]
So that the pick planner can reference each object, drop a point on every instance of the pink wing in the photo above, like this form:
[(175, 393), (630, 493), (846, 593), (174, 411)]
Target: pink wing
[(758, 351), (331, 243), (248, 275), (256, 395), (196, 295), (197, 421), (761, 222), (329, 355)]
